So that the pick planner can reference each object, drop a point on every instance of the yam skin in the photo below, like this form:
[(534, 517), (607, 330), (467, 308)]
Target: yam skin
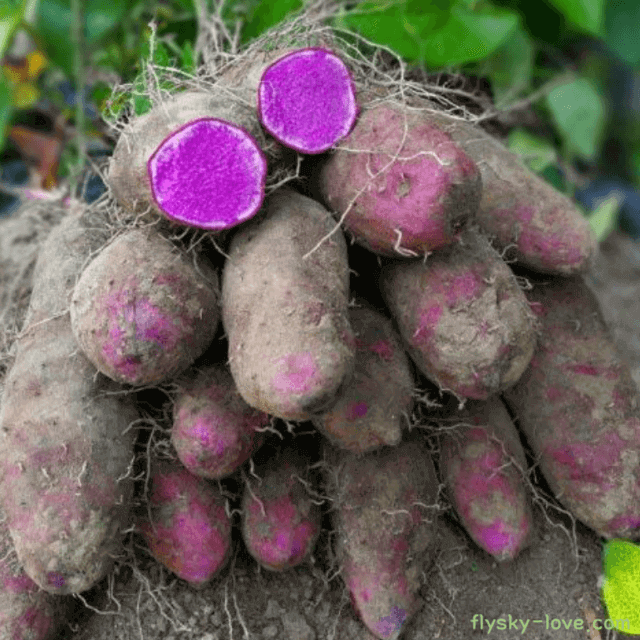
[(542, 228), (214, 430), (385, 518), (373, 409), (142, 312), (579, 409), (128, 175), (188, 531), (481, 463), (26, 611), (418, 202), (66, 445), (291, 347), (463, 317), (280, 520)]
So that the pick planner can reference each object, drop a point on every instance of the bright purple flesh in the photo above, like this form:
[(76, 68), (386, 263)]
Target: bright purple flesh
[(307, 101), (209, 174)]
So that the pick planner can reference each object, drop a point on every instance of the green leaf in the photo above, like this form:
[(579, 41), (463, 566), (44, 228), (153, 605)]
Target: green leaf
[(621, 22), (604, 218), (510, 68), (11, 15), (621, 585), (439, 35), (536, 152), (588, 15), (5, 108), (54, 19), (188, 57), (469, 35), (101, 17), (266, 14), (579, 112)]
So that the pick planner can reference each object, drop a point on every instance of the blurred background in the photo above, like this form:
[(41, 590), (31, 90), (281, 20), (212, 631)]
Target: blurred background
[(571, 69)]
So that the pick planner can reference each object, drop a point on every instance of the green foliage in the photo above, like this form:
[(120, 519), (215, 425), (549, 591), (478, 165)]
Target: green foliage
[(438, 34), (266, 14), (510, 68), (579, 113), (54, 21), (5, 108), (621, 586), (587, 15), (536, 152), (621, 21), (604, 218)]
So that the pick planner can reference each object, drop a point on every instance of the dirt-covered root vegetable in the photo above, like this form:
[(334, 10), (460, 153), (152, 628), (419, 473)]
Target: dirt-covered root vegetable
[(385, 509), (194, 160), (26, 611), (402, 185), (281, 519), (67, 441), (374, 407), (482, 463), (527, 217), (579, 409), (186, 525), (307, 100), (463, 317), (143, 311), (214, 430), (285, 313)]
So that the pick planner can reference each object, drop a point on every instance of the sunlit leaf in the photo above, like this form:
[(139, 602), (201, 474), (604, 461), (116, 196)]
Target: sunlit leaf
[(536, 152), (438, 33), (579, 112), (25, 95), (604, 219), (621, 585), (588, 15)]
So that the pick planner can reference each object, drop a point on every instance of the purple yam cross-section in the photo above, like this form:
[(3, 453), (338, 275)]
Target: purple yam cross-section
[(307, 101), (208, 174)]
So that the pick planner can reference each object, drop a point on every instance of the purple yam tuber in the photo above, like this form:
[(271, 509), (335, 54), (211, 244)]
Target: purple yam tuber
[(374, 407), (385, 510), (402, 184), (214, 430), (523, 214), (463, 317), (141, 311), (66, 445), (291, 347), (188, 530), (579, 408), (26, 611), (482, 462), (193, 160), (307, 101), (280, 520)]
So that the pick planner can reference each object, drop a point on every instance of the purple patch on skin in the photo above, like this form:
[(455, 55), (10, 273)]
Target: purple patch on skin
[(429, 318), (392, 623), (589, 463), (298, 373), (357, 410), (462, 289), (55, 579), (383, 349), (623, 526), (499, 539), (608, 373), (130, 321), (551, 249)]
